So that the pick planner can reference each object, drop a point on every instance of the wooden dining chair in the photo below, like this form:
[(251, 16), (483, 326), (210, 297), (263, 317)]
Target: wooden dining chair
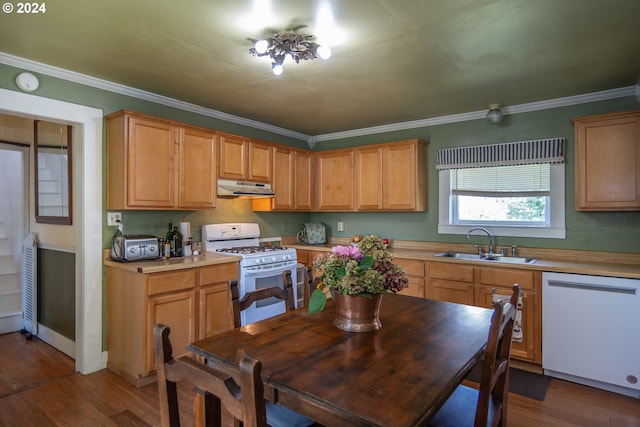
[(239, 390), (239, 304), (277, 415), (486, 406)]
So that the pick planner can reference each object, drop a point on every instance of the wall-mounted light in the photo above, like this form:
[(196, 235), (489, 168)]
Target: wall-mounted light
[(297, 46), (494, 115)]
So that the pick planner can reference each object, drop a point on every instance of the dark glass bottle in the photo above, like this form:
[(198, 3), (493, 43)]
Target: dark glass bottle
[(176, 243), (168, 235)]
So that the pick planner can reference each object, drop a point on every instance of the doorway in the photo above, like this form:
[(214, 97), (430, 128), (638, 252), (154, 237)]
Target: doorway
[(87, 123), (13, 217)]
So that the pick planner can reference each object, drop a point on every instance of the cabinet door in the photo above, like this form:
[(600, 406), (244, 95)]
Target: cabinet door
[(607, 171), (215, 310), (283, 178), (303, 181), (232, 163), (151, 169), (400, 170), (450, 282), (197, 183), (530, 328), (415, 273), (260, 162), (176, 310), (335, 180), (369, 178)]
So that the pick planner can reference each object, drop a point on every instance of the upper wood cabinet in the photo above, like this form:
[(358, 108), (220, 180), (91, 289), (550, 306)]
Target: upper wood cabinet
[(158, 164), (335, 180), (392, 177), (245, 159), (292, 181), (607, 169)]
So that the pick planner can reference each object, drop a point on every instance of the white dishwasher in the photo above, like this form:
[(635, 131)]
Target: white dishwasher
[(591, 331)]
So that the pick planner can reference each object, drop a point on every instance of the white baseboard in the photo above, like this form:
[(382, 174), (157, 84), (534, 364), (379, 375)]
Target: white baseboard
[(56, 340), (11, 323)]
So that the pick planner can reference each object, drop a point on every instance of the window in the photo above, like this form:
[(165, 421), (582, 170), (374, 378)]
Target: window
[(511, 190)]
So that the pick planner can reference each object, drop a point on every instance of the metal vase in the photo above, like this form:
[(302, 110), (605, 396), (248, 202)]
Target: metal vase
[(355, 313)]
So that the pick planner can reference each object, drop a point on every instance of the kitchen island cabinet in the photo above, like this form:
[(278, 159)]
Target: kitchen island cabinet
[(194, 302), (607, 171), (159, 164)]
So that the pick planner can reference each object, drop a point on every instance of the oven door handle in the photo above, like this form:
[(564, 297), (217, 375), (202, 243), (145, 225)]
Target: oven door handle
[(266, 268)]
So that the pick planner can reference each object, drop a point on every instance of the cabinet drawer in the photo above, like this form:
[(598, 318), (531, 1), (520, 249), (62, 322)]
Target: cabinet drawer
[(446, 271), (159, 283), (218, 273), (411, 266), (506, 277)]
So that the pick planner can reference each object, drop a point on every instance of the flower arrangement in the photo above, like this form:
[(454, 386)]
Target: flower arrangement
[(365, 269)]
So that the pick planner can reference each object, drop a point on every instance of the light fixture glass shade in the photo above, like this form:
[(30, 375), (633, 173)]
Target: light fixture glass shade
[(494, 115), (324, 52), (277, 69), (262, 46)]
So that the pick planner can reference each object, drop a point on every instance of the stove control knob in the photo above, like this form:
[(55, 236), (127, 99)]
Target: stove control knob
[(274, 259), (261, 260)]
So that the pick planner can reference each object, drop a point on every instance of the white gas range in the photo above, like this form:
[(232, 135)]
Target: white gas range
[(261, 266)]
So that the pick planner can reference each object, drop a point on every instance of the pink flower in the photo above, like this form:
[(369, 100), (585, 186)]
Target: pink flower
[(348, 251)]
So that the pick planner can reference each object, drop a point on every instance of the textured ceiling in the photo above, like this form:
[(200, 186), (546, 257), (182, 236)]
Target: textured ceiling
[(394, 61)]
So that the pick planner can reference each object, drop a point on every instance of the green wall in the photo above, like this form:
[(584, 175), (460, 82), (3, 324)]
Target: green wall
[(596, 231)]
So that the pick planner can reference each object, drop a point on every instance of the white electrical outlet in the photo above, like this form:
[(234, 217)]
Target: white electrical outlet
[(340, 226), (114, 218)]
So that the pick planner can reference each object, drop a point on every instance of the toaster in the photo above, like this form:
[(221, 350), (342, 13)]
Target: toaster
[(134, 248)]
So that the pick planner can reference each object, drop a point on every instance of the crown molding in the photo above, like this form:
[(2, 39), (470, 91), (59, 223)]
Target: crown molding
[(311, 140), (84, 79), (522, 108)]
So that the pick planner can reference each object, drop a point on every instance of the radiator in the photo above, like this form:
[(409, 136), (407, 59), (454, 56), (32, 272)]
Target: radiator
[(30, 284)]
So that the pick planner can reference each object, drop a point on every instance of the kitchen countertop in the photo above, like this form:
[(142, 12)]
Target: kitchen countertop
[(605, 268), (171, 264)]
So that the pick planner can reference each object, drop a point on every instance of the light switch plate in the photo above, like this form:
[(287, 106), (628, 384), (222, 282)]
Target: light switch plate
[(340, 226)]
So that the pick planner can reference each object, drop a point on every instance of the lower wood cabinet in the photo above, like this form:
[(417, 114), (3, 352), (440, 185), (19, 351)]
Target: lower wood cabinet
[(195, 303), (415, 273), (473, 285)]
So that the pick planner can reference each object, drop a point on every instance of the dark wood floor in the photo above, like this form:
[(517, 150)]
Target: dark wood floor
[(38, 388)]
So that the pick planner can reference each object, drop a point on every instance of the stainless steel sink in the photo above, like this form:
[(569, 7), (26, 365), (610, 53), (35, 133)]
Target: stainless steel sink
[(509, 259), (485, 257), (459, 255)]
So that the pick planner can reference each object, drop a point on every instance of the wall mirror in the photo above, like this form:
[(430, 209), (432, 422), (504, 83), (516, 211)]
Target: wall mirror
[(52, 164)]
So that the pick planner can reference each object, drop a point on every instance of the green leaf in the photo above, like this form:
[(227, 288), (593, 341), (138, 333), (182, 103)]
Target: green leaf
[(317, 301), (366, 263)]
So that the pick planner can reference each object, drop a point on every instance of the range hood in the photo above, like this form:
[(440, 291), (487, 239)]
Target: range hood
[(229, 188)]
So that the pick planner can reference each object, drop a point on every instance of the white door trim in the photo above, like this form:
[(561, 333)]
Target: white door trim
[(87, 214)]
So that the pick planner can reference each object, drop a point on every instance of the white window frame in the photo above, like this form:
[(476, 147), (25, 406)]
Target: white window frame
[(555, 230)]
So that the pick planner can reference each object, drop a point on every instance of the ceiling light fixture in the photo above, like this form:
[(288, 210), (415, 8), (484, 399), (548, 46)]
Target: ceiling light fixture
[(494, 115), (297, 46)]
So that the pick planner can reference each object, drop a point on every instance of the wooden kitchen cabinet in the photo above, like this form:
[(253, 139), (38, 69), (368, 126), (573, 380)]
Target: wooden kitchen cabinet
[(450, 282), (243, 158), (473, 285), (158, 164), (416, 275), (405, 184), (292, 181), (502, 280), (335, 180), (215, 311), (607, 164), (194, 302)]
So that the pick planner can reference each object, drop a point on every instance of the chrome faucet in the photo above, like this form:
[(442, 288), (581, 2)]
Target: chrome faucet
[(489, 235)]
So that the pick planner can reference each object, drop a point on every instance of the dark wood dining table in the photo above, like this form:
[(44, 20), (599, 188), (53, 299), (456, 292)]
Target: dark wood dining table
[(397, 376)]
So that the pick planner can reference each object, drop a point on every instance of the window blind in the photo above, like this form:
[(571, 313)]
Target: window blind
[(510, 181), (508, 154)]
